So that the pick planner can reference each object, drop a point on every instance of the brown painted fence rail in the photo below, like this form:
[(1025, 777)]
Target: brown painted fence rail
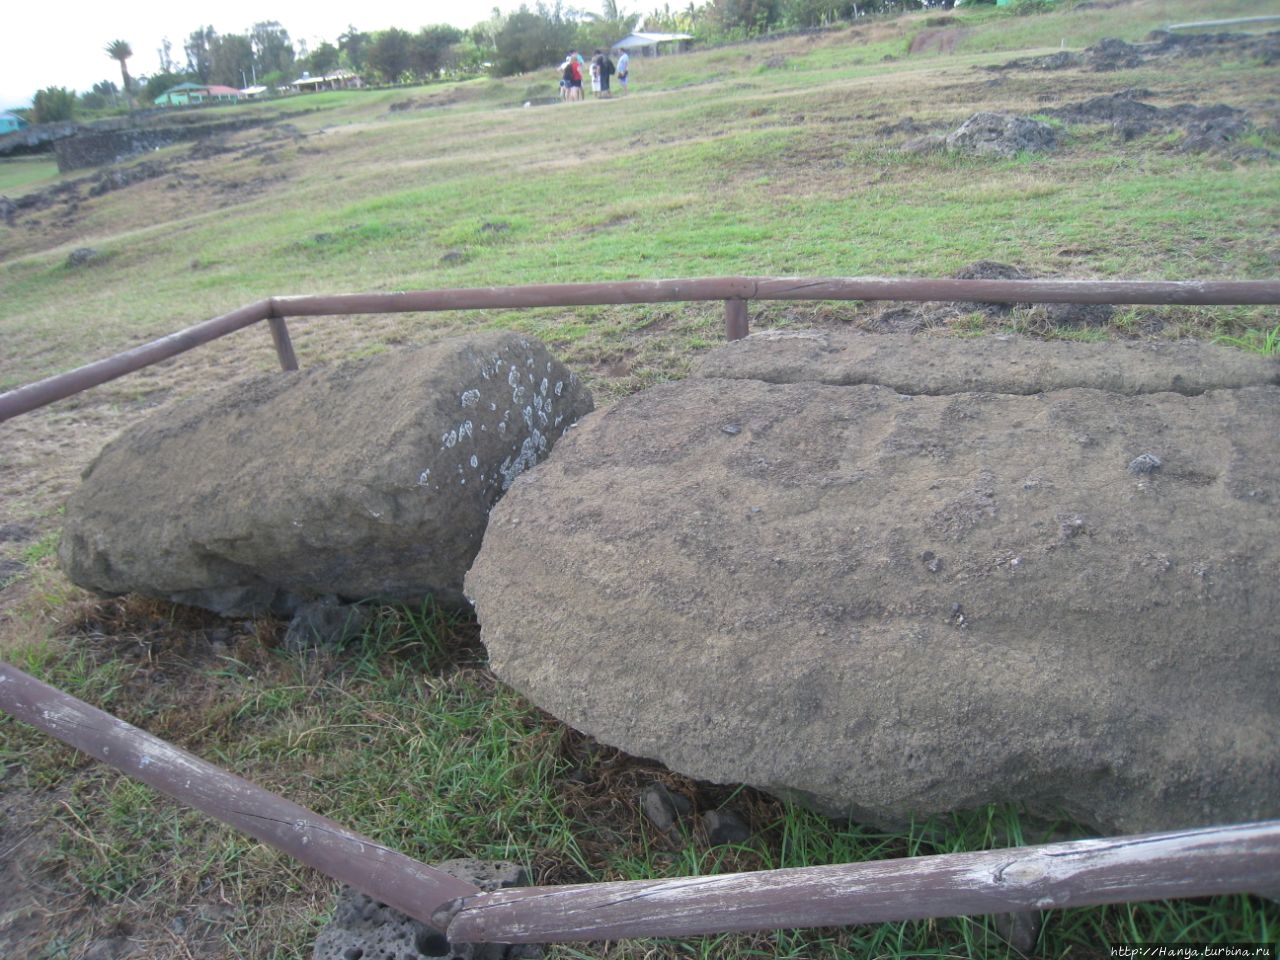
[(1241, 858), (734, 291)]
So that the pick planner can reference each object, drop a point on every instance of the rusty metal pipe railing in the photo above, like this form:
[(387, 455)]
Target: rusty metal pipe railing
[(43, 392), (1213, 860), (733, 291), (1202, 292), (386, 875), (1187, 863)]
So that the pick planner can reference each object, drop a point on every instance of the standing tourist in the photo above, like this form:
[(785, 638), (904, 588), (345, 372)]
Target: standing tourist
[(624, 63), (566, 78), (607, 70)]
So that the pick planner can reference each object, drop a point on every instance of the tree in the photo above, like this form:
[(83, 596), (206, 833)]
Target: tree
[(159, 83), (272, 50), (323, 60), (53, 104), (231, 61), (165, 53), (120, 50), (198, 49), (601, 30), (389, 54), (108, 91), (667, 20), (429, 53), (816, 13), (352, 47), (743, 18), (530, 40)]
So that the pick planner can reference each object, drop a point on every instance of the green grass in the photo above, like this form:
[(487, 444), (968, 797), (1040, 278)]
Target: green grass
[(406, 736), (17, 175), (1264, 342), (762, 158)]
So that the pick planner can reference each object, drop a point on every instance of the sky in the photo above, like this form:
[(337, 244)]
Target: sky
[(49, 44)]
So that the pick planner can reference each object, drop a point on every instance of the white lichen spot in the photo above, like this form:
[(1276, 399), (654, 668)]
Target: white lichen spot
[(424, 477), (559, 388), (450, 439), (470, 397), (475, 462), (545, 384), (466, 430)]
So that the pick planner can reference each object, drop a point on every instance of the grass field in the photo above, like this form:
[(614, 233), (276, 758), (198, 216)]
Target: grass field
[(782, 157)]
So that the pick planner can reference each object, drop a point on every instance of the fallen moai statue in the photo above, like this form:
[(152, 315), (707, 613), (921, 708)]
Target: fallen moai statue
[(363, 480), (890, 602)]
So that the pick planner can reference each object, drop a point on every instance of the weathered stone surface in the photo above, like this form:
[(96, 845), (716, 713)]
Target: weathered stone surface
[(1011, 364), (365, 480), (892, 606), (1001, 135)]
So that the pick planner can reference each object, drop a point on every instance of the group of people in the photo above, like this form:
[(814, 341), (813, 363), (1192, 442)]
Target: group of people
[(601, 70)]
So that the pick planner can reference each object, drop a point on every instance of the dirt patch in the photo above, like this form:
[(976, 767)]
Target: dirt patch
[(1212, 128), (1112, 54), (942, 40)]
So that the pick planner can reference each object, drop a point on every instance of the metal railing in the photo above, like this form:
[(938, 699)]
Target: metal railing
[(735, 292), (1240, 858)]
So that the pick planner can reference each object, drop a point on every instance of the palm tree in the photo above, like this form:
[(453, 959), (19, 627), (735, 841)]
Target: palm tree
[(120, 50)]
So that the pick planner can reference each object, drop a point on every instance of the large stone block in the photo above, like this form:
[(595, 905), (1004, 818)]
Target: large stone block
[(364, 480), (892, 606)]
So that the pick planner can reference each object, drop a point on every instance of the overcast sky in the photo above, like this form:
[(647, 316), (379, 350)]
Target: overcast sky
[(51, 44)]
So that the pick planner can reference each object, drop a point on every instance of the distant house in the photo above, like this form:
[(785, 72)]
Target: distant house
[(9, 122), (193, 94), (256, 92), (339, 80), (651, 44)]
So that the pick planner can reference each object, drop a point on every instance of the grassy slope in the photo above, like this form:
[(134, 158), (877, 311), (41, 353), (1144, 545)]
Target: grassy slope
[(761, 158)]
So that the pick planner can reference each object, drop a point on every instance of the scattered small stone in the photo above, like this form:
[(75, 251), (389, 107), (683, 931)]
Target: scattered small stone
[(732, 429), (725, 828), (1144, 464), (1070, 525), (663, 807), (81, 256), (1001, 135), (1019, 930), (325, 624), (364, 929), (108, 949)]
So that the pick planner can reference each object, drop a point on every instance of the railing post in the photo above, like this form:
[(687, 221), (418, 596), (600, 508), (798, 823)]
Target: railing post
[(735, 319), (284, 346)]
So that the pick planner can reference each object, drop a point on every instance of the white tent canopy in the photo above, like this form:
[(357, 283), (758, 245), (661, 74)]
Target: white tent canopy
[(647, 43)]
